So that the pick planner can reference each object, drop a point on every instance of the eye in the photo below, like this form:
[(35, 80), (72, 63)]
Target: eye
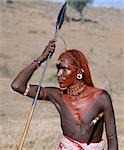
[(57, 66), (67, 71)]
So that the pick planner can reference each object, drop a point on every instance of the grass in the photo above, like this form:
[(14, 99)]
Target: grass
[(5, 71)]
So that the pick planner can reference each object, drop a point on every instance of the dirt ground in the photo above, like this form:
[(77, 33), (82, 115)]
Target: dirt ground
[(25, 29)]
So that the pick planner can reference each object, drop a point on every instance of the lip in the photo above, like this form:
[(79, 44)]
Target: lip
[(61, 80)]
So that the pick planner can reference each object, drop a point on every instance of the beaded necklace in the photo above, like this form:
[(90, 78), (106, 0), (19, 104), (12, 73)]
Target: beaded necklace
[(75, 90)]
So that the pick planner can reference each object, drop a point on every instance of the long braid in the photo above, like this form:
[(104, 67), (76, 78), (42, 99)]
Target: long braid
[(87, 74)]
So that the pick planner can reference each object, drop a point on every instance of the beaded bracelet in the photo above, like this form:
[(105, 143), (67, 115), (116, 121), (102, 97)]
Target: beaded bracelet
[(37, 62), (27, 89)]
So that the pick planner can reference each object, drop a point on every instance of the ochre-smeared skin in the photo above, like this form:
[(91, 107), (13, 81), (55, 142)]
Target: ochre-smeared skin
[(75, 116)]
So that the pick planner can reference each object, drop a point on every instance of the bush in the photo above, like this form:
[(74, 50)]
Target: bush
[(79, 6), (9, 1)]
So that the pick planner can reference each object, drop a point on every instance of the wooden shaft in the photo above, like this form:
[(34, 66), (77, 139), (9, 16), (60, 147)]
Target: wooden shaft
[(32, 108), (35, 100), (26, 128)]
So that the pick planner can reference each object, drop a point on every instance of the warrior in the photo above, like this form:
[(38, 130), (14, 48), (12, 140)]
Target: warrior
[(83, 108)]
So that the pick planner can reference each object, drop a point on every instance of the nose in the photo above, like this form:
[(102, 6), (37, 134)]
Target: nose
[(60, 73)]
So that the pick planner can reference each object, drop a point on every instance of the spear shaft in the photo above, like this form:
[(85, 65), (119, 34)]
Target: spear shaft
[(26, 128), (59, 23)]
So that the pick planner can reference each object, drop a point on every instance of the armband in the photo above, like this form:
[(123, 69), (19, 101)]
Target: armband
[(27, 89), (110, 137)]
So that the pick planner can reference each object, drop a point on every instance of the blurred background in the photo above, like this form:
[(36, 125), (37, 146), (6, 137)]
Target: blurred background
[(26, 26)]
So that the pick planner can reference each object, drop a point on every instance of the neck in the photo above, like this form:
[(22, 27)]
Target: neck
[(76, 88)]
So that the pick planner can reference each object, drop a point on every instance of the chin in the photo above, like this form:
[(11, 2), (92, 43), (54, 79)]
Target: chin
[(62, 85)]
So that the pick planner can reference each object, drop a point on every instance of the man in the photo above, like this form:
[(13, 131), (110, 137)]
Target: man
[(83, 108)]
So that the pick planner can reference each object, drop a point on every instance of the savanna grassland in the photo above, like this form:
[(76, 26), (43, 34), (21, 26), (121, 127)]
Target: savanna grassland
[(25, 29)]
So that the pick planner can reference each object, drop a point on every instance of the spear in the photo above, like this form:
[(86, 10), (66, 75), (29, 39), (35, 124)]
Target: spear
[(59, 22)]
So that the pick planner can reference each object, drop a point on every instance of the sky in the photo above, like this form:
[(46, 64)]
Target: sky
[(105, 3)]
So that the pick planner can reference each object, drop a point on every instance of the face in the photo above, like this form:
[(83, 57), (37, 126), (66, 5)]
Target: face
[(66, 73)]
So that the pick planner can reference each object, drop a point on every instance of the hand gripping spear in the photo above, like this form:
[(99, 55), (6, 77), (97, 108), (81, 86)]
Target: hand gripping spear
[(59, 22)]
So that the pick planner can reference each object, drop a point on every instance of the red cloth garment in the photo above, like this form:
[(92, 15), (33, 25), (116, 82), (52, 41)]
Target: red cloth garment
[(67, 143)]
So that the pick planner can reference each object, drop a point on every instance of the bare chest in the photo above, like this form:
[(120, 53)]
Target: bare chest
[(83, 110)]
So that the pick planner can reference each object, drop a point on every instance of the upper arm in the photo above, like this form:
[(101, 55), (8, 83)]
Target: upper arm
[(45, 93), (33, 91), (109, 117)]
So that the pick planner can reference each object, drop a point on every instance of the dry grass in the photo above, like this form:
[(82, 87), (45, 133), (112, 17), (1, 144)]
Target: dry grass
[(25, 29)]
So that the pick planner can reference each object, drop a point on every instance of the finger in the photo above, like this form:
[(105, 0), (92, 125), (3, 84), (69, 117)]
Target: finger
[(51, 50), (52, 46), (52, 42)]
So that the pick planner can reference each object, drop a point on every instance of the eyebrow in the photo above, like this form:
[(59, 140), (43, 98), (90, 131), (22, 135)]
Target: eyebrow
[(60, 65), (63, 65)]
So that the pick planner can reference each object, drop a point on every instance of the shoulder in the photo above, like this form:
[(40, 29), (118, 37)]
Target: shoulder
[(53, 89), (104, 95), (93, 91), (53, 92), (104, 99), (100, 94)]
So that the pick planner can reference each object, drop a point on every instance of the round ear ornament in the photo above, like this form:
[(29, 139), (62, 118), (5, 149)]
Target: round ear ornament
[(80, 74)]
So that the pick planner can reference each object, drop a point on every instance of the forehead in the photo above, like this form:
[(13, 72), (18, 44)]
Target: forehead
[(66, 59), (62, 64)]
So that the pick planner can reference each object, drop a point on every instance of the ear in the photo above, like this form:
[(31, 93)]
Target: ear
[(80, 74), (80, 71)]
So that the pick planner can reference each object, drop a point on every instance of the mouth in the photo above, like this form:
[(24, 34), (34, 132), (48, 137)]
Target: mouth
[(61, 80)]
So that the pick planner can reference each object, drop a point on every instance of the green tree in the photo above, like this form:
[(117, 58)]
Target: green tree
[(79, 6), (9, 1)]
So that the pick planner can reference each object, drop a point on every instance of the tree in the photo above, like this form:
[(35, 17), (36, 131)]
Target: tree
[(79, 6), (9, 1)]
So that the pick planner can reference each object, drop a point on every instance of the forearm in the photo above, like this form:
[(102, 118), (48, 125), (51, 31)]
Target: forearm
[(20, 82), (113, 142)]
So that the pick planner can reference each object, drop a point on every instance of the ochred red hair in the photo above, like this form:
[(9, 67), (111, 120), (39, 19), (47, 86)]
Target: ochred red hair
[(80, 61)]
